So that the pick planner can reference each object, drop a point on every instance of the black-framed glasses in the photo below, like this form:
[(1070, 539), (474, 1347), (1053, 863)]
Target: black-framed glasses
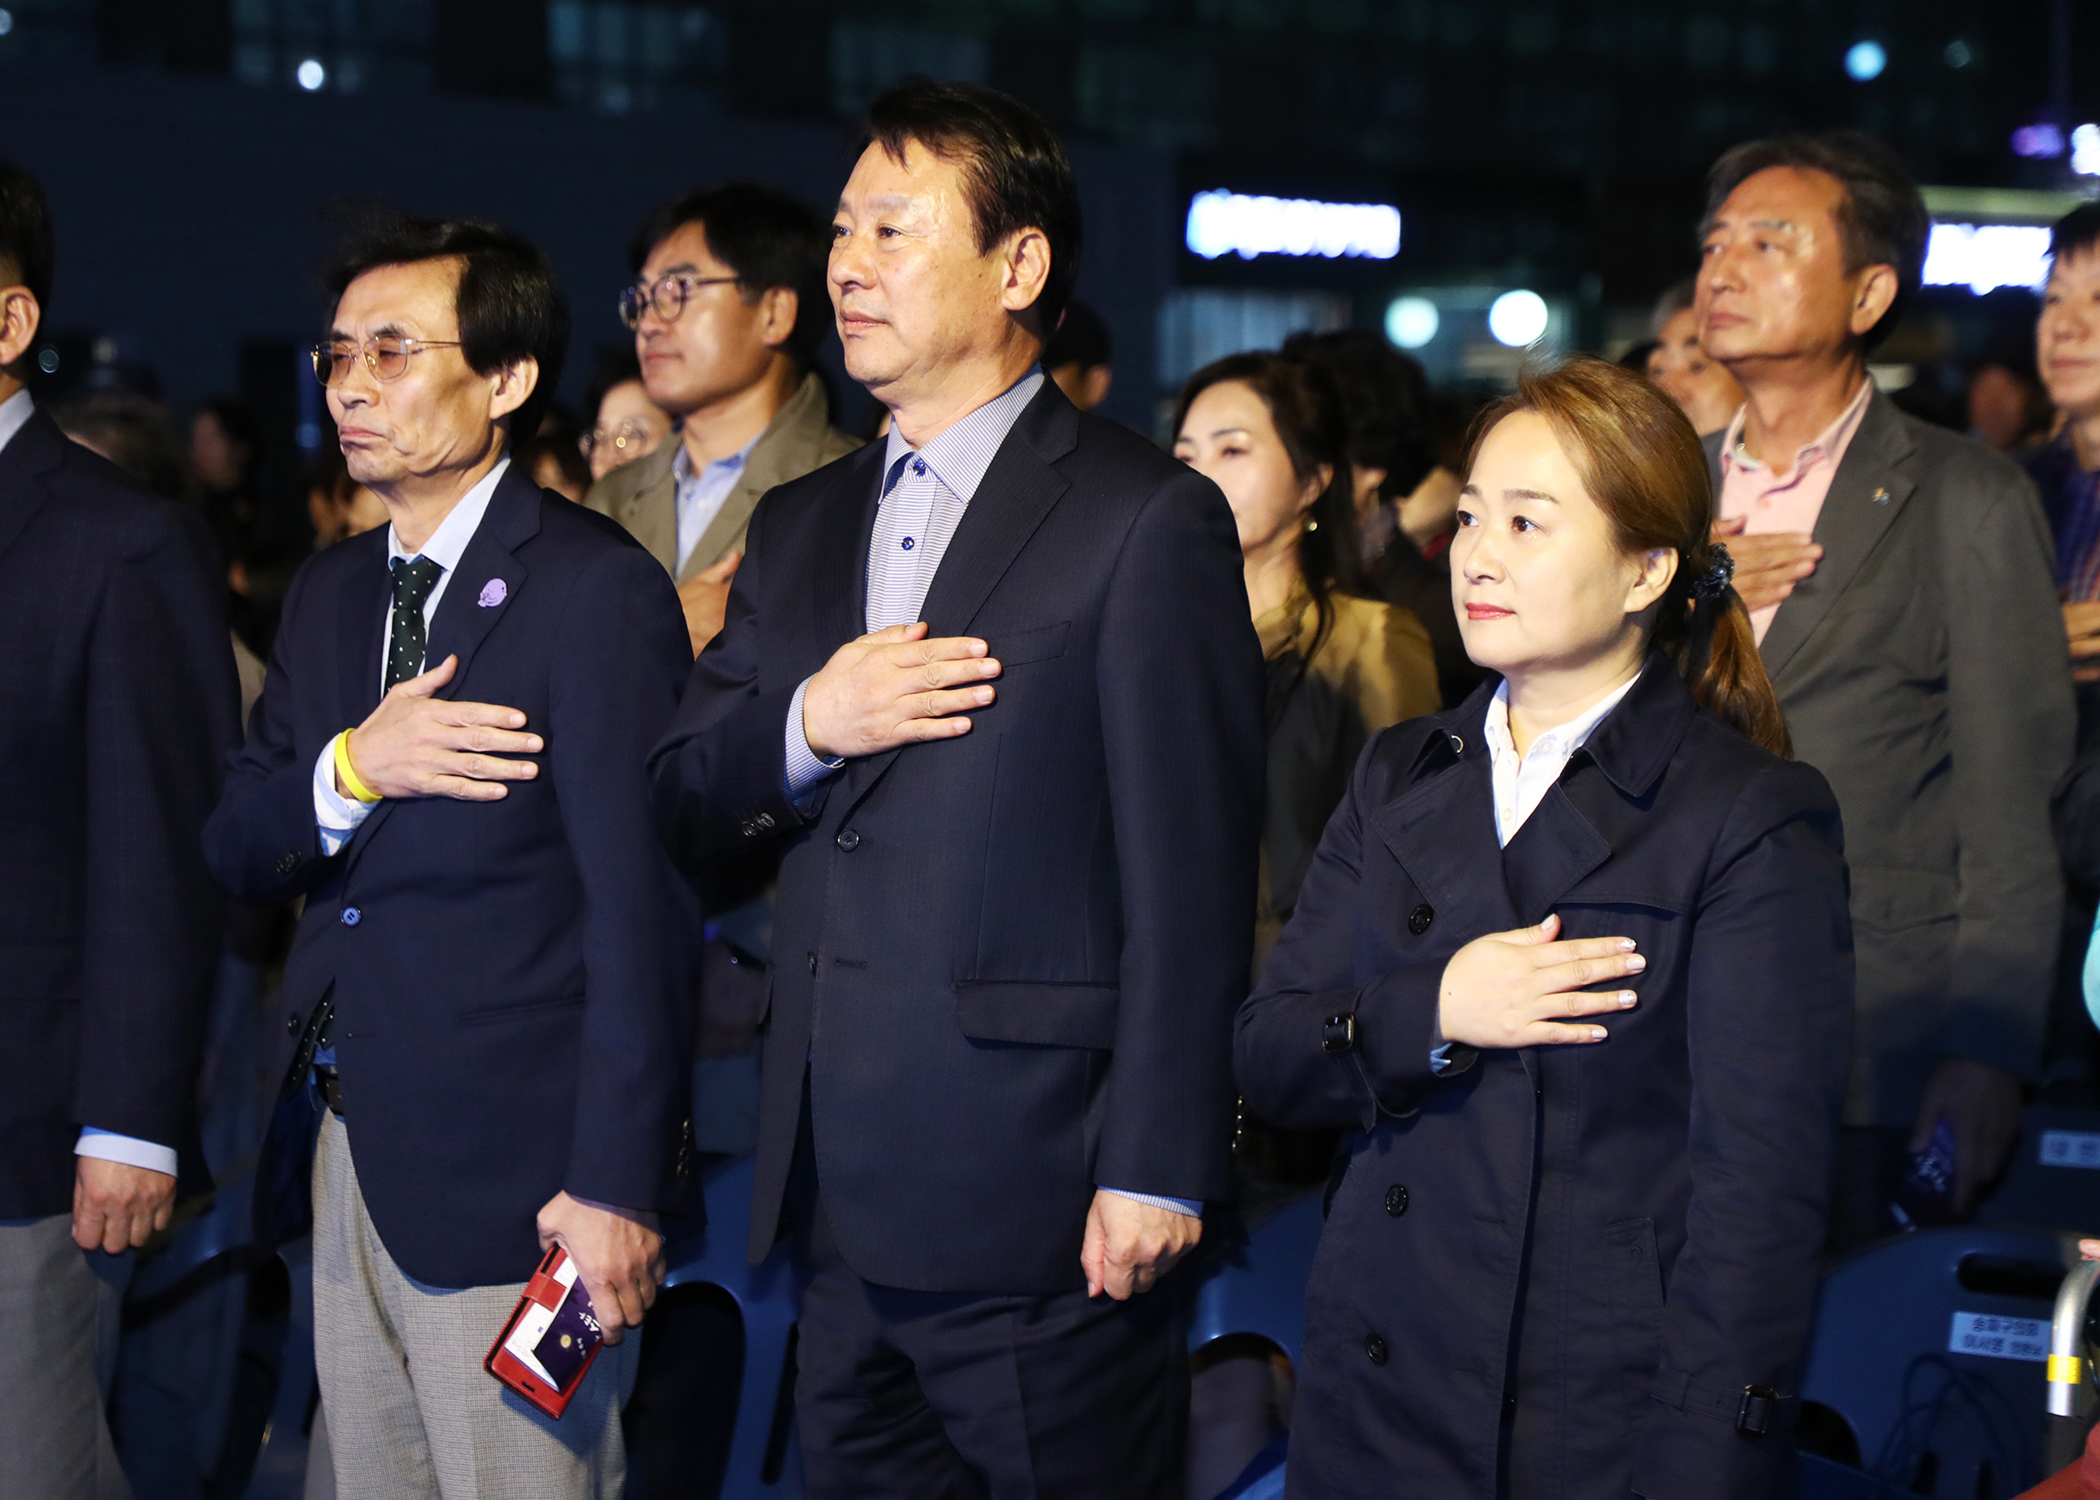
[(667, 294), (387, 358)]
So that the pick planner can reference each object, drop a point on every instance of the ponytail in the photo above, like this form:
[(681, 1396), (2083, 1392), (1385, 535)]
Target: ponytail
[(1643, 464)]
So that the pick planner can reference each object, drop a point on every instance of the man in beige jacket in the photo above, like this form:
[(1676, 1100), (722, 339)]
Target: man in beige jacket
[(727, 310)]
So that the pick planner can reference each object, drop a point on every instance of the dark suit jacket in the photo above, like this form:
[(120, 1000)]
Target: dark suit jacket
[(1622, 1234), (1923, 670), (511, 978), (1011, 958), (117, 701)]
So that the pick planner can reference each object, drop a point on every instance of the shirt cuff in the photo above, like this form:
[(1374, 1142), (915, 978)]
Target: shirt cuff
[(335, 816), (1189, 1206), (107, 1145), (805, 768)]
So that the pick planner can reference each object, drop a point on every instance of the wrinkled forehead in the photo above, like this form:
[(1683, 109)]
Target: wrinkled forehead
[(1790, 199), (415, 300), (915, 180)]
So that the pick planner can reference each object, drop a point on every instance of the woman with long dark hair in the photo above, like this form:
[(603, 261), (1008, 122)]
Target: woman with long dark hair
[(1573, 965), (1341, 665)]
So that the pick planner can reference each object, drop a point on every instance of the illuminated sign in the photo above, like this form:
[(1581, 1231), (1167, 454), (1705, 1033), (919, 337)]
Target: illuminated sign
[(1984, 257), (1222, 223)]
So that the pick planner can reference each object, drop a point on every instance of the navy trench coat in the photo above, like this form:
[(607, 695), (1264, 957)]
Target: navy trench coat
[(1554, 1272)]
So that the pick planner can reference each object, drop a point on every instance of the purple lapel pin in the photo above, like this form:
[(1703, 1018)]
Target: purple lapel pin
[(493, 593)]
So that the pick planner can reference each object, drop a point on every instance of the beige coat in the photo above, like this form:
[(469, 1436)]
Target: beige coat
[(643, 495)]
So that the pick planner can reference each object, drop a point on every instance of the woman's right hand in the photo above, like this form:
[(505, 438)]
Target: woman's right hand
[(1516, 989)]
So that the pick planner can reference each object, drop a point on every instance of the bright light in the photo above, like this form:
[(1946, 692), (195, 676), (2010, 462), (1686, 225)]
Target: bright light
[(2085, 150), (7, 22), (1983, 257), (2040, 142), (1411, 321), (1517, 318), (1959, 54), (311, 75), (1222, 223), (1865, 60)]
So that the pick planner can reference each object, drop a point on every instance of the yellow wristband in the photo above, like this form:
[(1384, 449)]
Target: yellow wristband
[(348, 772)]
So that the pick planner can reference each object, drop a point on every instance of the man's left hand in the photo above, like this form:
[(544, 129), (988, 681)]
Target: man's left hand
[(619, 1258), (1982, 1105), (118, 1207), (1130, 1245)]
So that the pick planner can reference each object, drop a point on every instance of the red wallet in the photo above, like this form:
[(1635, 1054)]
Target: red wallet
[(551, 1340)]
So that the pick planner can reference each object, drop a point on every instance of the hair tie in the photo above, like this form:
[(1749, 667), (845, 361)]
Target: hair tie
[(1718, 578)]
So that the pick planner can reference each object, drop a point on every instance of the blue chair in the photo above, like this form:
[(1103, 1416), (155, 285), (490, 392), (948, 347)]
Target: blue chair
[(1935, 1400), (2054, 1179), (769, 1300)]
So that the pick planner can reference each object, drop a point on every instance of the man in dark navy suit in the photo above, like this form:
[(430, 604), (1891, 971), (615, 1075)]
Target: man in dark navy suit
[(117, 702), (994, 688), (494, 965)]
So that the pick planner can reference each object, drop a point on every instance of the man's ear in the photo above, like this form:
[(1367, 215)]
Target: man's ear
[(514, 386), (1876, 295), (778, 307), (20, 318), (1024, 266)]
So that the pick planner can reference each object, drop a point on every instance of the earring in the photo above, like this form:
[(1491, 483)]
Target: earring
[(1312, 525)]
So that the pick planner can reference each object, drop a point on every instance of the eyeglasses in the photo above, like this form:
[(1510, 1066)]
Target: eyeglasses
[(668, 295), (631, 433), (386, 358)]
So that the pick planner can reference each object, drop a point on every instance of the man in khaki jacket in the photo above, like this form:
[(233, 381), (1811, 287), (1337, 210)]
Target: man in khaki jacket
[(727, 310)]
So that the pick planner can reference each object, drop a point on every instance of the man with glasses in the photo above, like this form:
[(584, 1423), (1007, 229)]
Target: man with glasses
[(727, 309), (490, 984)]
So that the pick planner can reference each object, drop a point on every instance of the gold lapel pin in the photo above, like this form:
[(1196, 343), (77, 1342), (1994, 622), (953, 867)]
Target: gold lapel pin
[(1881, 496)]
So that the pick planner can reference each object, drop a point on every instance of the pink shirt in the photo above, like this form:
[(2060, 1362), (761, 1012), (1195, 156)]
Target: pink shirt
[(1789, 502)]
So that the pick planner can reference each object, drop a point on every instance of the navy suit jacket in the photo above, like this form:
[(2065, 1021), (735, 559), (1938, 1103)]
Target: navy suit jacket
[(1620, 1236), (1010, 958), (117, 702), (513, 991)]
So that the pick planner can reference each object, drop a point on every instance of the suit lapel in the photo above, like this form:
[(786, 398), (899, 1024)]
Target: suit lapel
[(1016, 493), (650, 512), (360, 631), (36, 449), (726, 527), (463, 621), (1867, 493)]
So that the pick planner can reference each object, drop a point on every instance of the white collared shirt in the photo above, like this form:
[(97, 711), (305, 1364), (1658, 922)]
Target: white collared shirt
[(14, 413), (1521, 783), (335, 815)]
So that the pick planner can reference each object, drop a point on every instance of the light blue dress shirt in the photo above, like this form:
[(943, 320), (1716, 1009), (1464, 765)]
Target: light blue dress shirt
[(701, 496), (924, 494)]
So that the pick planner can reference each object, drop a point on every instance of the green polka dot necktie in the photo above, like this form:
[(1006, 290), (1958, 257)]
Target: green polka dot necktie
[(414, 578)]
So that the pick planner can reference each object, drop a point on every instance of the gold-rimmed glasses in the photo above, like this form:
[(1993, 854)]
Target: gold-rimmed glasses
[(386, 357)]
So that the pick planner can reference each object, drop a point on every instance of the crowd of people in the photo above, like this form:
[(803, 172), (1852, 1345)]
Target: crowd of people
[(1612, 843)]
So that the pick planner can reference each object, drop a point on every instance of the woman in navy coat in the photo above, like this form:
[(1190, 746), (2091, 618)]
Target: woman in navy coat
[(1574, 963)]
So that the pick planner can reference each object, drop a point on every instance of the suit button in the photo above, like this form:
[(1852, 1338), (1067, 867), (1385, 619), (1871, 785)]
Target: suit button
[(1419, 919), (1396, 1199), (763, 822), (812, 963), (287, 862), (291, 1024), (1375, 1350), (848, 840), (352, 916)]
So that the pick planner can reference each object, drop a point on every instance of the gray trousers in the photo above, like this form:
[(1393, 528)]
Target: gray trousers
[(59, 1313), (411, 1413)]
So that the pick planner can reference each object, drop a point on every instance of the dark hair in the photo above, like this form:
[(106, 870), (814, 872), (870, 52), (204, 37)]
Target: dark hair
[(235, 420), (1015, 172), (1081, 339), (2076, 233), (508, 303), (25, 233), (767, 238), (1636, 357), (1880, 214), (1386, 403), (1645, 467), (132, 432), (615, 366), (1307, 411)]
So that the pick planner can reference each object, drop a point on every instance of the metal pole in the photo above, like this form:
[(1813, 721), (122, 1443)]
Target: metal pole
[(2070, 1391)]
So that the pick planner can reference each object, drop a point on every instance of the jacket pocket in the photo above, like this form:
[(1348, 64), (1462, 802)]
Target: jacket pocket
[(1038, 1013), (491, 1015), (1022, 646)]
